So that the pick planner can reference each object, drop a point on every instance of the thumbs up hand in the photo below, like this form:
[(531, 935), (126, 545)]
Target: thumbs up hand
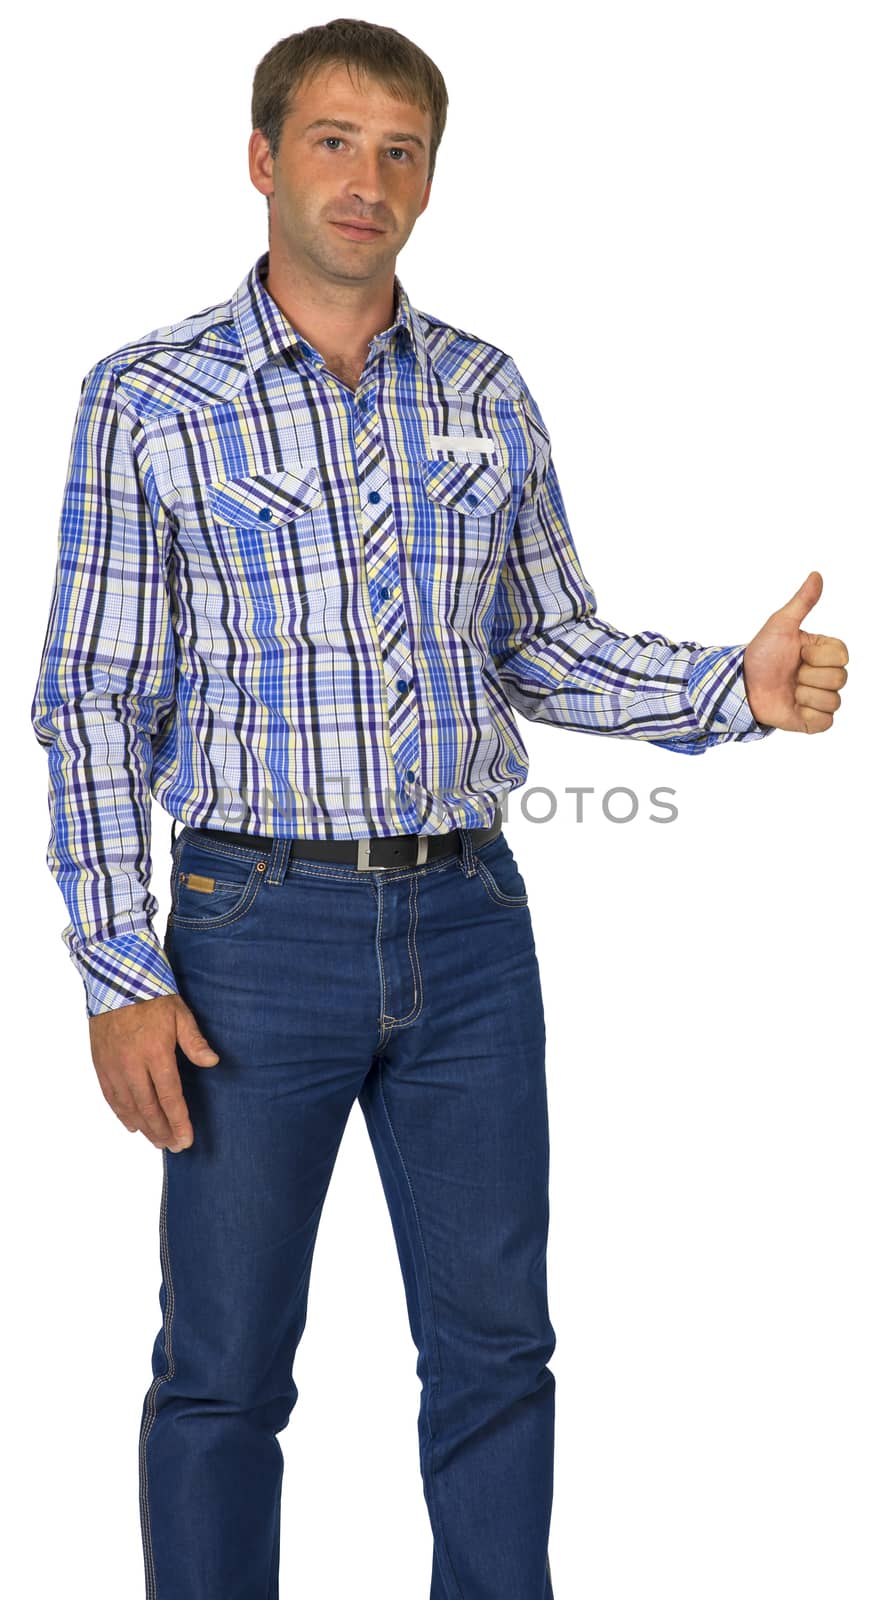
[(792, 678)]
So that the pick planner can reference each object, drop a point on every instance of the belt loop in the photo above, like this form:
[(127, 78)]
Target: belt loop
[(467, 859), (279, 861)]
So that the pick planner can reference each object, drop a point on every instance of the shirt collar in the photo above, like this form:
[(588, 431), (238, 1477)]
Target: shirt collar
[(265, 332)]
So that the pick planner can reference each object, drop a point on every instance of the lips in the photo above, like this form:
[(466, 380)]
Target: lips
[(361, 227)]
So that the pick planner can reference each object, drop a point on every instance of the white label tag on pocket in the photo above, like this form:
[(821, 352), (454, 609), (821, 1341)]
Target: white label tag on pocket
[(461, 441)]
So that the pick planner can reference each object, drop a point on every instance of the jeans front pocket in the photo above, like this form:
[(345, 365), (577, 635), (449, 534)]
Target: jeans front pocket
[(499, 873), (211, 888)]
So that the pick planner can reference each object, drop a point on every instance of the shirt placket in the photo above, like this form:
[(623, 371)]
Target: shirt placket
[(384, 578)]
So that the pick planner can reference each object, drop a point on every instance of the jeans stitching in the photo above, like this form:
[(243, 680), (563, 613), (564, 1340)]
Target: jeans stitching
[(226, 883), (253, 885), (495, 892), (150, 1410), (412, 946), (215, 847), (389, 874), (384, 1029), (435, 1377), (467, 859)]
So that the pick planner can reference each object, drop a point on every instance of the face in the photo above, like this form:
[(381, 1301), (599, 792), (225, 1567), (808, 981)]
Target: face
[(344, 198)]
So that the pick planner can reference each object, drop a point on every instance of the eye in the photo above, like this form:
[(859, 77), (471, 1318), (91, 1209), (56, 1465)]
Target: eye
[(400, 151), (331, 138)]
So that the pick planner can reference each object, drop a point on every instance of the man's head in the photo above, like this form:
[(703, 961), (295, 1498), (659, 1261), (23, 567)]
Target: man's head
[(347, 119)]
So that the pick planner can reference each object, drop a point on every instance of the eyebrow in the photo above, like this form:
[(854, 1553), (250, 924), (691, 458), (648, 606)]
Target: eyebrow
[(354, 127)]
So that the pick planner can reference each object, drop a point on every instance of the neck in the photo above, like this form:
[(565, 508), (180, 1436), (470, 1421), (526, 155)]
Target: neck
[(338, 319)]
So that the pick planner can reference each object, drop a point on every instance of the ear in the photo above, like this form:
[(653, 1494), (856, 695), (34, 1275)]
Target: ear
[(261, 165), (426, 197)]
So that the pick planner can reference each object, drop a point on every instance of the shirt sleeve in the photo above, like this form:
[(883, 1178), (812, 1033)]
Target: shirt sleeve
[(559, 662), (105, 688)]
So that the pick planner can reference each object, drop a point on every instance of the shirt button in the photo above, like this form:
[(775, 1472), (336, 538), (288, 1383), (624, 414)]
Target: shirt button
[(264, 514), (384, 594), (410, 775), (471, 499), (402, 684), (374, 498)]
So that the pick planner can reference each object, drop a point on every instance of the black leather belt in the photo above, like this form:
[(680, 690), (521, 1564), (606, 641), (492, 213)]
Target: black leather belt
[(368, 855)]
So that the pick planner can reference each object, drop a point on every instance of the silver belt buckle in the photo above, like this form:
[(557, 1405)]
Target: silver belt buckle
[(365, 865)]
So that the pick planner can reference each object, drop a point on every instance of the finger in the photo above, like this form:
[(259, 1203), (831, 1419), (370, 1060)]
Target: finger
[(121, 1106), (804, 598), (820, 650), (196, 1047), (152, 1118), (815, 721), (168, 1089), (819, 699), (823, 677), (128, 1110)]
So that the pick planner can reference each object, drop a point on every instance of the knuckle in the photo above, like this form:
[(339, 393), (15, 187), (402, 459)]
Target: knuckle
[(171, 1096)]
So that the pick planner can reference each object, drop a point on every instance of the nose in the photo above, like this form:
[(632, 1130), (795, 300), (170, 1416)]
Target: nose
[(365, 180)]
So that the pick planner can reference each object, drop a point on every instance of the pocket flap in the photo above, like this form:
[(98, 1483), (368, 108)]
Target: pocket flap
[(265, 499), (472, 488)]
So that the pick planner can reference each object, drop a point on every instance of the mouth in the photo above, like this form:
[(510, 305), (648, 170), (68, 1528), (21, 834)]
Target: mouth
[(358, 230)]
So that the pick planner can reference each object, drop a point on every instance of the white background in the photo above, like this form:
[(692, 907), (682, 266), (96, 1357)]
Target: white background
[(672, 217)]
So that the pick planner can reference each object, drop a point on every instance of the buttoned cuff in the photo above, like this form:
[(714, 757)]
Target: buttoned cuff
[(116, 972), (716, 690)]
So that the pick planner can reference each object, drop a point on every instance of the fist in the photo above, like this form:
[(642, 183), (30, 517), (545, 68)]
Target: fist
[(792, 677)]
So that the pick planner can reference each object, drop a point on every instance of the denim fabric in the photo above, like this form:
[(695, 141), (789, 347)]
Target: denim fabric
[(415, 990)]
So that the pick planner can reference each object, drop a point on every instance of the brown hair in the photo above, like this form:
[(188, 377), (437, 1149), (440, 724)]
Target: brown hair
[(382, 53)]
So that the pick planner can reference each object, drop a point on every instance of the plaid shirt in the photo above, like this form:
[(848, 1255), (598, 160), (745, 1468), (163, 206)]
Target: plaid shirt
[(287, 607)]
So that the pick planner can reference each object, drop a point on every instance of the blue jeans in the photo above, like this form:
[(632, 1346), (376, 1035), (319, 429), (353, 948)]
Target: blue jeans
[(415, 990)]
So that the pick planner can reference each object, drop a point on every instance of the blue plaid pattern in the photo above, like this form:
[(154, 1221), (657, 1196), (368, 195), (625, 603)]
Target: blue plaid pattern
[(283, 606)]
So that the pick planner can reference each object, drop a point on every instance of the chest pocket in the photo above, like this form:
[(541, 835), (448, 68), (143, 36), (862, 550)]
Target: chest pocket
[(469, 505), (471, 488), (266, 499), (273, 548)]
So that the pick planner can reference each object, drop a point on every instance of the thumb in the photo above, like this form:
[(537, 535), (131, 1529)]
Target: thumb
[(196, 1047), (804, 599)]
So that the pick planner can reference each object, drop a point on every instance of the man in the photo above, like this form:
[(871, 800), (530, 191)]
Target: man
[(313, 554)]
